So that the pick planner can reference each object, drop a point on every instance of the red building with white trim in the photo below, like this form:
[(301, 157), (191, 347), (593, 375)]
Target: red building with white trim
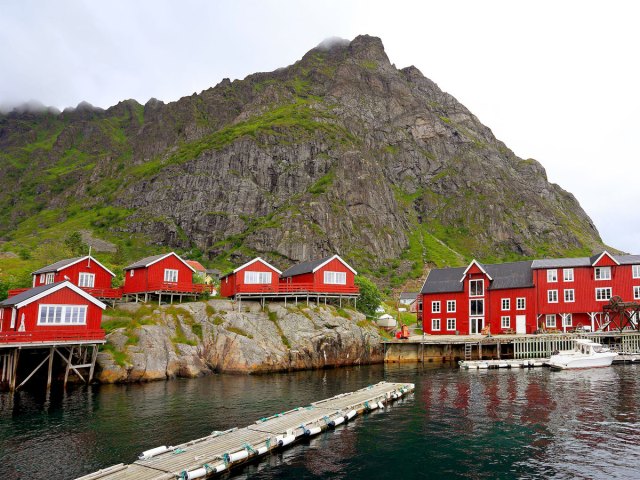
[(158, 274), (526, 296), (326, 275), (56, 312), (254, 277)]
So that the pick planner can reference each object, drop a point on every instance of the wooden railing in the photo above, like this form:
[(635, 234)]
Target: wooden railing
[(298, 288), (46, 334), (96, 292), (175, 287)]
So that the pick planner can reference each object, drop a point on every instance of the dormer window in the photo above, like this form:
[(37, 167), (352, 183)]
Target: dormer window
[(476, 288), (602, 273)]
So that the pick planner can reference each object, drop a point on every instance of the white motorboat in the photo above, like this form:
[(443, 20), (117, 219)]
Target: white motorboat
[(586, 354)]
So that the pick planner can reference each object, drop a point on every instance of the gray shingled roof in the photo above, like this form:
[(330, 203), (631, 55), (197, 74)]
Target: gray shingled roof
[(504, 275), (628, 259), (145, 261), (408, 295), (304, 267), (21, 297), (582, 261), (55, 266)]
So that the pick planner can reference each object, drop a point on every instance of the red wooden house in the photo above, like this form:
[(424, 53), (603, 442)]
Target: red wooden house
[(166, 273), (55, 312), (254, 277), (466, 300), (326, 275), (85, 272)]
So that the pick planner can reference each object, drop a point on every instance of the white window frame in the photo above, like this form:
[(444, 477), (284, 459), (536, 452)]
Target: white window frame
[(451, 306), (567, 320), (435, 324), (477, 281), (132, 270), (42, 278), (600, 294), (451, 324), (599, 272), (505, 304), (171, 275), (86, 280), (334, 278), (550, 320), (567, 274), (552, 275), (569, 295), (435, 306), (66, 315), (481, 300), (636, 292), (552, 296), (49, 278), (257, 278), (635, 271), (1, 313), (505, 321), (521, 303)]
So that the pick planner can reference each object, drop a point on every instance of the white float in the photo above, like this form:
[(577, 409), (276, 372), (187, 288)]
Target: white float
[(147, 454)]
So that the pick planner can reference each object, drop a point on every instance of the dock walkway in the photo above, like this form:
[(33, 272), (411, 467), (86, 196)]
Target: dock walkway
[(216, 453)]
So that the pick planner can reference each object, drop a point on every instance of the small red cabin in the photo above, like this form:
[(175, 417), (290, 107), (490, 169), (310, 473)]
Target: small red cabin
[(160, 273), (85, 272), (327, 275), (256, 276), (50, 313)]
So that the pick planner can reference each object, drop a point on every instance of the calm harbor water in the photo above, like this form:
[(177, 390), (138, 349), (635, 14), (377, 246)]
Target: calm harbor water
[(457, 424)]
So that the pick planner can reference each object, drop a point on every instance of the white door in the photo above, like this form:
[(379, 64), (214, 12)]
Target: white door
[(521, 324), (476, 325)]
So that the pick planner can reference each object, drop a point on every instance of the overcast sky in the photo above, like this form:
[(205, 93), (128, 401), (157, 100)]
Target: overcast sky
[(557, 81)]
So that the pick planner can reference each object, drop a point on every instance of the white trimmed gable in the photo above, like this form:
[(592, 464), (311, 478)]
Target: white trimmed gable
[(335, 257), (168, 255), (597, 260), (474, 262), (257, 259), (60, 286)]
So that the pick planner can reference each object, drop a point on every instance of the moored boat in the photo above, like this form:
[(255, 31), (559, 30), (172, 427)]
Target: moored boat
[(586, 354)]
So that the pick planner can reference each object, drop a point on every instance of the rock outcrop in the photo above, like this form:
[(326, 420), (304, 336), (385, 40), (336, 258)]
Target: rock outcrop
[(199, 338)]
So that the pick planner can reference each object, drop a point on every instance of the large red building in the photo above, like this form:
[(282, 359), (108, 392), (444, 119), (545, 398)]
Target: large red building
[(54, 312), (523, 297), (326, 275)]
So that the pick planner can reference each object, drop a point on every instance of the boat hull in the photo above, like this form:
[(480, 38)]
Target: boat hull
[(565, 362)]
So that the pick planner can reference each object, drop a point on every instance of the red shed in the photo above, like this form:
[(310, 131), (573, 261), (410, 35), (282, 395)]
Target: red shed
[(254, 277), (51, 313), (160, 273), (327, 275), (85, 272)]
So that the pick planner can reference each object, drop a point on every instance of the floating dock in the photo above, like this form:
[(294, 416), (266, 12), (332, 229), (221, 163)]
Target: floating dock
[(220, 451), (491, 364)]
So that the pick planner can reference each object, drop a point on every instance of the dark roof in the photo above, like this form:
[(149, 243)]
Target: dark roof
[(304, 267), (582, 261), (504, 275), (55, 266), (32, 292), (145, 261)]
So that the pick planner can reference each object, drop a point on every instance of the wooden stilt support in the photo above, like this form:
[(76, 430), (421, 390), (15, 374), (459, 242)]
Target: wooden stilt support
[(14, 369), (50, 369), (94, 356), (66, 372), (33, 372)]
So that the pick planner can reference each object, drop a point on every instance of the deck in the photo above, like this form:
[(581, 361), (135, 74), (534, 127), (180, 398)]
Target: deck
[(216, 453)]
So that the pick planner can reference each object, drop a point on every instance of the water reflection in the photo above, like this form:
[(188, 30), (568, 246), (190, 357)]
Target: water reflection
[(457, 424)]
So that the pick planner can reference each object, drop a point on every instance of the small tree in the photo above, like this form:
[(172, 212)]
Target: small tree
[(75, 244), (369, 299)]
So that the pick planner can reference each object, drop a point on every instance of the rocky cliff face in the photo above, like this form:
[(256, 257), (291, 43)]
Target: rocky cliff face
[(339, 152), (199, 338)]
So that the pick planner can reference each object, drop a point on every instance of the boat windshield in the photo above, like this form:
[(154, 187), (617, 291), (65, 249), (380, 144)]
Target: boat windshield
[(597, 348)]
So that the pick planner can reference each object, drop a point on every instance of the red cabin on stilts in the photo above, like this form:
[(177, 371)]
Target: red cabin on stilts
[(254, 277), (326, 275)]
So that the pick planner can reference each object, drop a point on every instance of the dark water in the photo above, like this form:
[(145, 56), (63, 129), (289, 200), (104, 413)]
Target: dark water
[(457, 424)]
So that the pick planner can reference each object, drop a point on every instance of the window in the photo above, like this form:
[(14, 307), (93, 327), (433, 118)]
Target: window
[(636, 293), (1, 313), (335, 278), (506, 304), (552, 275), (476, 288), (86, 280), (451, 306), (50, 278), (521, 303), (62, 315), (435, 324), (170, 275), (257, 277), (567, 320), (635, 271), (552, 296), (451, 324), (567, 274), (603, 294), (435, 307), (603, 273), (505, 322), (131, 274), (476, 308), (550, 320), (42, 278), (419, 306), (569, 295)]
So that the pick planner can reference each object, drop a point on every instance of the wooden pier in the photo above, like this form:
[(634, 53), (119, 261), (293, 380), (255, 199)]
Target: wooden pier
[(220, 451)]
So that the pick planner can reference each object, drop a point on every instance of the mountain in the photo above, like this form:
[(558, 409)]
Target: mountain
[(339, 152)]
